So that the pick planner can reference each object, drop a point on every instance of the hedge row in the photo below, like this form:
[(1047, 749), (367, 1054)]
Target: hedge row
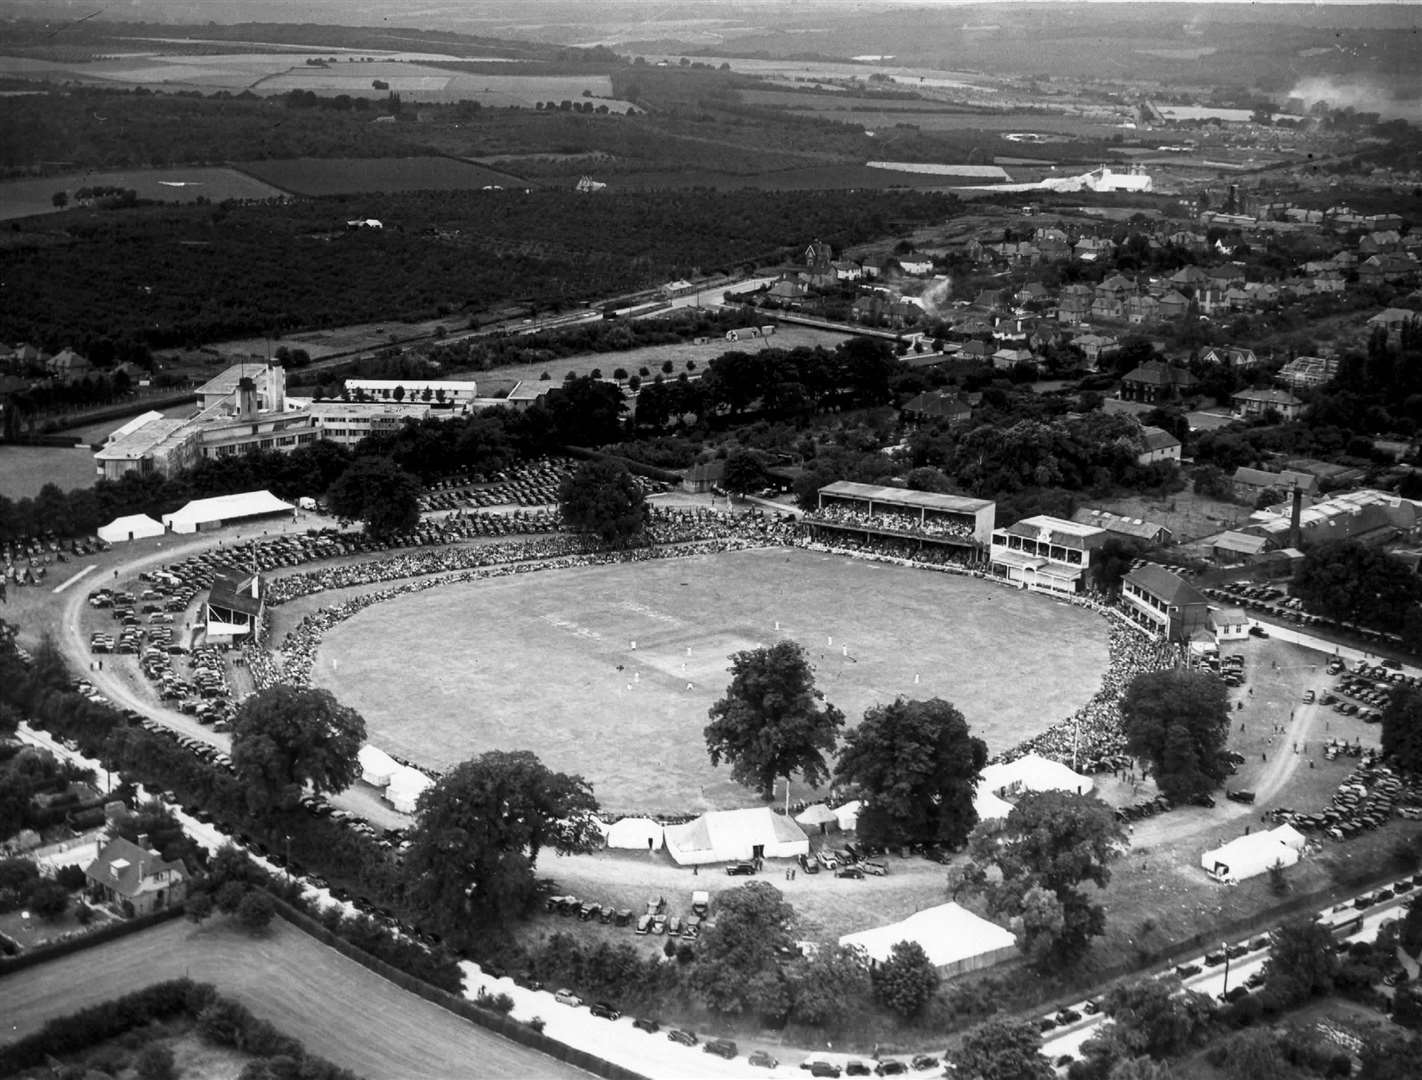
[(109, 932)]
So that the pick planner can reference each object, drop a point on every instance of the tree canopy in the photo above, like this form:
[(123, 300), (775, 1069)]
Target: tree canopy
[(1179, 721), (478, 834), (827, 987), (918, 767), (907, 980), (773, 721), (1402, 728), (1301, 961), (378, 492), (286, 737), (1357, 583), (1051, 842), (738, 969), (743, 473), (1003, 1050), (603, 498)]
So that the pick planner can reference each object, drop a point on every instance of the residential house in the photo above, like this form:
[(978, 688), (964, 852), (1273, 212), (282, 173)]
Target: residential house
[(135, 880), (1375, 243), (1190, 241), (1156, 381), (1157, 444), (1107, 309), (1034, 292), (1230, 356), (1044, 334), (1328, 281), (1074, 304), (1225, 275), (1307, 372), (915, 267), (1387, 269), (1230, 624), (1393, 319), (68, 366), (1250, 483), (1053, 245), (1173, 304), (1094, 248), (1142, 309), (1004, 359), (703, 476), (1256, 403), (1189, 277), (1238, 299), (787, 292), (937, 406), (1116, 285), (975, 350), (989, 300), (844, 270), (1094, 347)]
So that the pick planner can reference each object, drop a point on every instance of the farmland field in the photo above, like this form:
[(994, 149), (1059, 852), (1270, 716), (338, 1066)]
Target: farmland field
[(176, 183), (811, 178), (531, 661), (339, 176), (26, 469), (337, 1008)]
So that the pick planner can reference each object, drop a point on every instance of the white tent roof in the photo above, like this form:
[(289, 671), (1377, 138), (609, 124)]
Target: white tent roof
[(726, 835), (1289, 837), (635, 833), (848, 815), (376, 766), (133, 527), (1249, 856), (224, 508), (1035, 773), (989, 806), (817, 814), (406, 785), (948, 934)]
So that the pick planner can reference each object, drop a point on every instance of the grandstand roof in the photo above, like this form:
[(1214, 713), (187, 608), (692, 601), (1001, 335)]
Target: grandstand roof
[(1171, 589), (929, 500)]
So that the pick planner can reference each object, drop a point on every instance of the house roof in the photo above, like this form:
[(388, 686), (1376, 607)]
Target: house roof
[(1171, 589), (1159, 373), (1268, 397), (1158, 438), (1241, 543), (1119, 524), (125, 867), (937, 403)]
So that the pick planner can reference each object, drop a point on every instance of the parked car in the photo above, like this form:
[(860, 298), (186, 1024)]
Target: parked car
[(826, 859), (890, 1067), (850, 872), (605, 1011), (854, 1067), (686, 1038), (740, 869), (659, 924), (924, 1061), (721, 1048), (808, 864), (565, 996), (1240, 796), (763, 1060), (675, 926), (644, 924), (1185, 971), (1068, 1016), (878, 869), (829, 1068), (588, 912), (651, 1027), (1308, 697)]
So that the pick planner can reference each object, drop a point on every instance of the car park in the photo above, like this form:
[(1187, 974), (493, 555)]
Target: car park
[(605, 1011), (720, 1047), (761, 1059)]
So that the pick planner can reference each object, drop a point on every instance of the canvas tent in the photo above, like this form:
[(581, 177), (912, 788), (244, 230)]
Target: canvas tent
[(954, 938), (989, 806), (1033, 772), (731, 835), (133, 527), (225, 509), (848, 815), (635, 834), (816, 817), (376, 766), (406, 785), (1252, 855)]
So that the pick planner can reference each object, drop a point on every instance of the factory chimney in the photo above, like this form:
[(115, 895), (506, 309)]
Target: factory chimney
[(1295, 518)]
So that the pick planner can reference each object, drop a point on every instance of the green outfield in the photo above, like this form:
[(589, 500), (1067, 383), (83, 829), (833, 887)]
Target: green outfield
[(547, 661)]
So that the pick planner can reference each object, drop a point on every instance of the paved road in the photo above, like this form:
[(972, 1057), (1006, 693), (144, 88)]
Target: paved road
[(337, 1008)]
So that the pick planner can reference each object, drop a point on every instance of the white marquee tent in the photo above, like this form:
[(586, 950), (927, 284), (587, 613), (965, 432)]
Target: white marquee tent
[(133, 527), (1252, 855), (635, 834), (989, 806), (848, 815), (729, 835), (1034, 773), (376, 766), (224, 509), (816, 816), (954, 938), (406, 786)]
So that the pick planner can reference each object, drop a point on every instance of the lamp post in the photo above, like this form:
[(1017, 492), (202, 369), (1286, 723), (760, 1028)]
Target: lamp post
[(1225, 990)]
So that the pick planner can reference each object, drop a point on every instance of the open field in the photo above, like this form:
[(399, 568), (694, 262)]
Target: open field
[(337, 1008), (337, 176), (809, 178), (176, 183), (532, 661), (26, 469)]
